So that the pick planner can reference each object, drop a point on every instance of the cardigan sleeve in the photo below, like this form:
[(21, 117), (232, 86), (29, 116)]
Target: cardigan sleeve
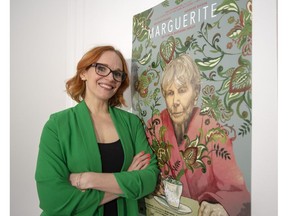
[(57, 196), (229, 184), (137, 184)]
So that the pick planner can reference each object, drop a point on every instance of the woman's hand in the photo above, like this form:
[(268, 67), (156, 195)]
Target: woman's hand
[(83, 180), (210, 209), (140, 161), (79, 180)]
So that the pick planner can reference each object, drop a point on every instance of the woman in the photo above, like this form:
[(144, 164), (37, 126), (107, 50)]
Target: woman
[(190, 141), (94, 158)]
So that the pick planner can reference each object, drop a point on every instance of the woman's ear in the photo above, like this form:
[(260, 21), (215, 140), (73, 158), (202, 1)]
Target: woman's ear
[(83, 77)]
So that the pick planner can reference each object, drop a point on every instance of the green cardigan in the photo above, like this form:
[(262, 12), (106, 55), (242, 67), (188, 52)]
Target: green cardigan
[(68, 145)]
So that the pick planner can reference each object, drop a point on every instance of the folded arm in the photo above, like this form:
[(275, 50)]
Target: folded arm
[(107, 182), (56, 194)]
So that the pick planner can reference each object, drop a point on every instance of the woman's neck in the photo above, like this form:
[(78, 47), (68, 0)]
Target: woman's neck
[(97, 107), (181, 129)]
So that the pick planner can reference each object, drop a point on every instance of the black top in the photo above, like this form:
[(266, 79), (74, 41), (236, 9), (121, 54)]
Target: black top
[(112, 157)]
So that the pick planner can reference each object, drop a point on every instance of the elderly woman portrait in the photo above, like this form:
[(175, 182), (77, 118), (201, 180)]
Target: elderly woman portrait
[(185, 142)]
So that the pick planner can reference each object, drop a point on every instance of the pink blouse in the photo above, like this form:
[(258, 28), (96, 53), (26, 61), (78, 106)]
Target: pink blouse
[(204, 160)]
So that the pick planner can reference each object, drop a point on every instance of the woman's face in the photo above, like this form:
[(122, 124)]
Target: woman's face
[(180, 101), (103, 87)]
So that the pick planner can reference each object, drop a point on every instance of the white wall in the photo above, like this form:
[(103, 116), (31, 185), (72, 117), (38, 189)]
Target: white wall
[(47, 39), (38, 64), (92, 23)]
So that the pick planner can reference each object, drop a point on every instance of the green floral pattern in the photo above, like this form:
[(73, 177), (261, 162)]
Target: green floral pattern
[(222, 49)]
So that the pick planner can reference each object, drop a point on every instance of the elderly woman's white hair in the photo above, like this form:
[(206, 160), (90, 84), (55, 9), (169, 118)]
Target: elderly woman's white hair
[(181, 70)]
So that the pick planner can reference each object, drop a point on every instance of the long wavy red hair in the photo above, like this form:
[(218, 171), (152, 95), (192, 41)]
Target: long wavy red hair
[(76, 88)]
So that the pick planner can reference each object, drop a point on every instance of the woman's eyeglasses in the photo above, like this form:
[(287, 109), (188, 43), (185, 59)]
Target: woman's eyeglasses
[(103, 70)]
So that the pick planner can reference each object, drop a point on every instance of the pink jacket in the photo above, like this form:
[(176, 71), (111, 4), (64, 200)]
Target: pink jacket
[(210, 172)]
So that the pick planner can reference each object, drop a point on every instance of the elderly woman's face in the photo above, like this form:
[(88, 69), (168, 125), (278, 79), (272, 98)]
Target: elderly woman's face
[(180, 102)]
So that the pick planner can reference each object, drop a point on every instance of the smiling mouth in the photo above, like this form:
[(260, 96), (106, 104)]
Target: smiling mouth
[(105, 86)]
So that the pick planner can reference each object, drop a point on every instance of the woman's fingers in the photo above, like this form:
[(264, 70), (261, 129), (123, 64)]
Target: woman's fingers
[(140, 161), (73, 179), (143, 164)]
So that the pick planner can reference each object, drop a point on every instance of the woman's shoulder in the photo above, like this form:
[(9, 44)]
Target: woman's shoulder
[(62, 113), (63, 117)]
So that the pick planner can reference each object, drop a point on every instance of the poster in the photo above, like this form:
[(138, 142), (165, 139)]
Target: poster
[(192, 88)]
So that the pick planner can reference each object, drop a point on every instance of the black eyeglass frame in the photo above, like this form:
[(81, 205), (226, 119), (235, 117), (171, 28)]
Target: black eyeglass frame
[(124, 75)]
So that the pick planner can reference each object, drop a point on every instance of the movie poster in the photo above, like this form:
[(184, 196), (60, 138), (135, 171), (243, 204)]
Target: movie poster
[(192, 75)]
